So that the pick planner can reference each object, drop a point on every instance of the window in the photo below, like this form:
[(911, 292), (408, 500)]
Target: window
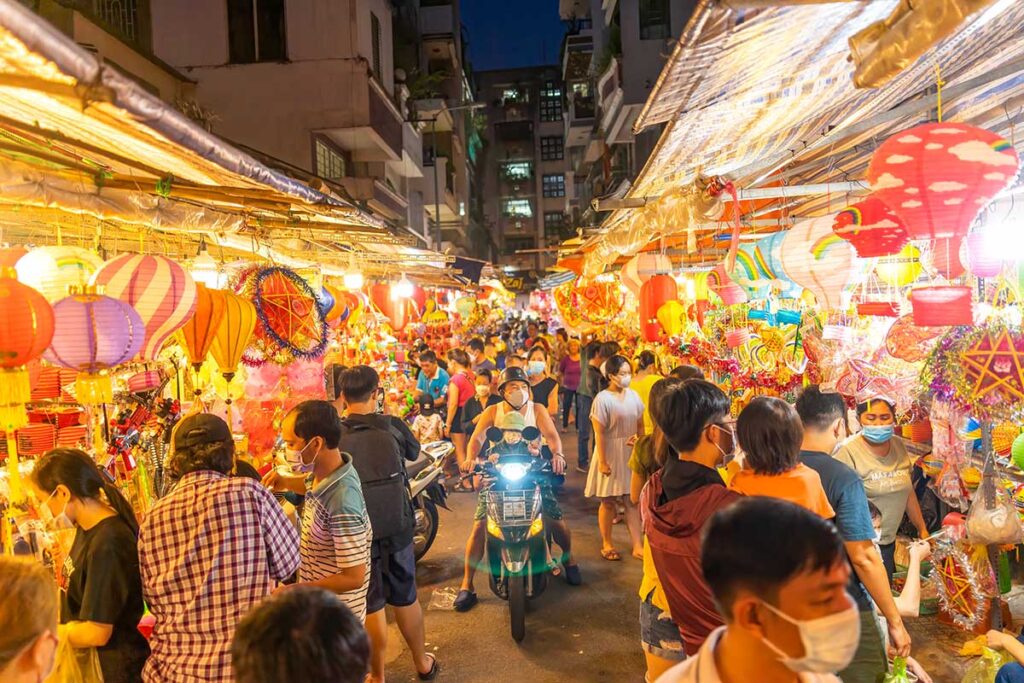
[(329, 164), (581, 89), (514, 244), (121, 15), (375, 37), (554, 185), (517, 170), (552, 148), (550, 102), (514, 95), (554, 222), (654, 20), (516, 208), (256, 31)]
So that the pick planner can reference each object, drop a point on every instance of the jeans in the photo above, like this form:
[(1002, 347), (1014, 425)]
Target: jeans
[(568, 396), (583, 427), (1012, 673)]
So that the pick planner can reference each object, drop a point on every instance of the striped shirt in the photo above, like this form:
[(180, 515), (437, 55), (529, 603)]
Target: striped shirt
[(336, 532)]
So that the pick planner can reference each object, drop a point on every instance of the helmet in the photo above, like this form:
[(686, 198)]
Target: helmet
[(512, 375), (512, 422)]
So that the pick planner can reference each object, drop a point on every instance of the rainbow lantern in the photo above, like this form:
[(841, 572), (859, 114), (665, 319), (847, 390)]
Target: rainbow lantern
[(92, 334), (198, 333), (814, 257), (26, 329), (871, 227), (52, 270), (160, 291)]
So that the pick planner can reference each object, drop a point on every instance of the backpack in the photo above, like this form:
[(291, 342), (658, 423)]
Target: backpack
[(377, 456)]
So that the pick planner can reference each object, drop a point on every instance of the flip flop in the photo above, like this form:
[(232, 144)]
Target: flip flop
[(435, 668), (611, 554)]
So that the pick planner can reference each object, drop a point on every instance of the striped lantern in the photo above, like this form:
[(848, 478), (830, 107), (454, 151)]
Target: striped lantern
[(233, 334), (52, 270), (94, 333), (198, 333), (160, 290)]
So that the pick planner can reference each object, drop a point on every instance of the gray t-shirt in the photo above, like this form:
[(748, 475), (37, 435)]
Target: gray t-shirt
[(886, 479)]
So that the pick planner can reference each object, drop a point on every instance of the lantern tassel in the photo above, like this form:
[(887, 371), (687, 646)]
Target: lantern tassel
[(93, 389), (16, 491), (15, 392)]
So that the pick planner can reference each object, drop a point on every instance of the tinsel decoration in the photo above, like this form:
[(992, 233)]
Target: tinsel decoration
[(290, 325), (958, 588)]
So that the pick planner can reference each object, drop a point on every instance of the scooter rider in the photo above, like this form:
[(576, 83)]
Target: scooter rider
[(514, 388)]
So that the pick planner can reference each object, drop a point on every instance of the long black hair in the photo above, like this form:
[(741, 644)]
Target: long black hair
[(76, 470)]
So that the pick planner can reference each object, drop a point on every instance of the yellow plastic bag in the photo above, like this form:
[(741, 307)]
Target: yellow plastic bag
[(75, 666), (985, 669)]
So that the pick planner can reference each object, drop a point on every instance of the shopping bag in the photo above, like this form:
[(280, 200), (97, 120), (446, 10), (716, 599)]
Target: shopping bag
[(992, 519), (72, 665), (898, 672), (984, 670)]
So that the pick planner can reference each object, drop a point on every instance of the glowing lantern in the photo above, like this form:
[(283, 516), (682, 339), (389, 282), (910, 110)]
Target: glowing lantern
[(337, 308), (900, 269), (237, 324), (724, 286), (325, 301), (92, 334), (419, 298), (983, 254), (160, 290), (945, 258), (198, 333), (938, 176), (402, 290), (672, 318), (10, 256), (871, 227), (939, 306), (52, 270), (639, 269), (815, 258), (656, 292)]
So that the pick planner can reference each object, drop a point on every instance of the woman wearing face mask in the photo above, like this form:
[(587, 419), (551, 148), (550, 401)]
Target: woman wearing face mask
[(101, 600), (617, 420), (883, 464), (543, 388), (28, 621), (460, 391), (647, 376)]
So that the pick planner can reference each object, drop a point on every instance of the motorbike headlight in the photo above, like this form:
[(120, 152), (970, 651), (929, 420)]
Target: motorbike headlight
[(536, 527), (514, 471), (493, 529)]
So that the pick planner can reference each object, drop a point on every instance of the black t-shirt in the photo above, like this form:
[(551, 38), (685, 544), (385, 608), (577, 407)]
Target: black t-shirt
[(105, 586), (473, 408), (542, 390)]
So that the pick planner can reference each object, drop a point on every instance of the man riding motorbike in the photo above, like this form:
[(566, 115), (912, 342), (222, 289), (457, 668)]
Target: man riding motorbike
[(514, 388)]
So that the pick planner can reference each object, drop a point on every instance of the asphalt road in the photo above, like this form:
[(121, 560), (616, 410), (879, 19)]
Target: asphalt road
[(585, 633)]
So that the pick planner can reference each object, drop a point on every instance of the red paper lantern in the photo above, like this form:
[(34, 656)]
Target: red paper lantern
[(946, 258), (399, 312), (942, 306), (26, 329), (656, 291), (886, 309), (871, 227), (938, 176)]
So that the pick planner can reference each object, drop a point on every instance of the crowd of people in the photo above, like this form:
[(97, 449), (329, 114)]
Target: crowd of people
[(766, 538)]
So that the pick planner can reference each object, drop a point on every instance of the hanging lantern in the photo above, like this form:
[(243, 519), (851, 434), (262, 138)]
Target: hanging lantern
[(656, 292), (672, 318), (160, 290), (945, 258), (324, 301), (938, 176), (725, 287), (237, 323), (641, 268), (871, 227), (748, 274), (338, 308), (942, 306), (52, 270), (815, 258), (198, 333), (93, 334), (983, 257), (900, 269), (598, 299), (419, 299), (884, 309), (9, 256)]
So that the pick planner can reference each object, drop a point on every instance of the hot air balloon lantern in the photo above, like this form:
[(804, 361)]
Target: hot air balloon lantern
[(937, 177), (26, 329), (161, 291), (945, 258), (52, 270), (655, 293), (237, 323), (871, 227), (815, 258), (198, 333), (725, 287)]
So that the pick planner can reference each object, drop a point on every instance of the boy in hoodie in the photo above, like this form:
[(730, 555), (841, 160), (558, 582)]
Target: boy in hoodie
[(679, 500)]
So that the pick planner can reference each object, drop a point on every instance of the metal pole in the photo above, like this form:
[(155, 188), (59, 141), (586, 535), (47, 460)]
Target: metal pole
[(437, 195)]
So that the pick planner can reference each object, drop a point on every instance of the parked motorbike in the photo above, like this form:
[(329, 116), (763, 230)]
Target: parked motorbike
[(518, 553), (426, 487)]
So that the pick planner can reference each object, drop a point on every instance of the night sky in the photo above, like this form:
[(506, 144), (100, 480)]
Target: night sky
[(512, 33)]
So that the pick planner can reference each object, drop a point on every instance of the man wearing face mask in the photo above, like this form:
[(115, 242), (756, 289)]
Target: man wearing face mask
[(678, 500), (778, 574), (823, 415)]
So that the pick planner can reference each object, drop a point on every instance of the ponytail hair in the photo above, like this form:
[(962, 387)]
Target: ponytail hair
[(76, 470), (645, 360)]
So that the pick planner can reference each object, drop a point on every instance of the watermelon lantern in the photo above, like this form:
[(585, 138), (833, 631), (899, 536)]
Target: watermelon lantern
[(655, 293)]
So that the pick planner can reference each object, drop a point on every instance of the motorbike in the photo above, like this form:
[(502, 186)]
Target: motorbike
[(518, 553), (427, 490)]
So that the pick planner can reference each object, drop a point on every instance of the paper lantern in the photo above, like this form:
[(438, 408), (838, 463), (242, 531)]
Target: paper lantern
[(324, 301), (908, 342), (598, 300), (884, 309), (52, 270), (237, 323), (94, 333), (338, 303), (900, 269), (419, 297), (725, 287), (983, 254), (871, 227), (748, 275), (465, 306), (938, 176), (945, 258), (160, 291), (737, 338), (657, 291), (672, 318), (1003, 436), (642, 267), (198, 333), (1017, 452), (815, 258), (289, 324), (9, 256), (941, 306)]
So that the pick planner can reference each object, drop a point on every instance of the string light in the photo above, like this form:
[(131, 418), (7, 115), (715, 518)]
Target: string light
[(404, 288), (353, 276)]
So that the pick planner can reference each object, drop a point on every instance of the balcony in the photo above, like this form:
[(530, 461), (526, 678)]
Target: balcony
[(438, 30), (447, 203), (580, 120), (378, 196), (377, 131), (617, 117), (577, 51)]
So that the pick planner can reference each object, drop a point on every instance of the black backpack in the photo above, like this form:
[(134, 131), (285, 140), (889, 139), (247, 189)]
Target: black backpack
[(377, 456)]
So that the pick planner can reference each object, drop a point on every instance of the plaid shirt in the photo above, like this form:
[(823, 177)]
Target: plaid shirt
[(209, 551)]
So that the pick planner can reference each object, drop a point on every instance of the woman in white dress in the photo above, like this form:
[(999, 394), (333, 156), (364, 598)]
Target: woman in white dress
[(618, 420)]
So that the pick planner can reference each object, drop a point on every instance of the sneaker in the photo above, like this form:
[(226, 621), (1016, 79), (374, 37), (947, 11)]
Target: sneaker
[(465, 601)]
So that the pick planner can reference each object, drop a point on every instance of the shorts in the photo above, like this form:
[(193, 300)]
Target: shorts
[(549, 505), (457, 426), (659, 635), (392, 578)]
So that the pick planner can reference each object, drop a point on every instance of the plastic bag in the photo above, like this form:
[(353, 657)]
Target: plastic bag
[(443, 599), (898, 672), (993, 518), (72, 665), (985, 669)]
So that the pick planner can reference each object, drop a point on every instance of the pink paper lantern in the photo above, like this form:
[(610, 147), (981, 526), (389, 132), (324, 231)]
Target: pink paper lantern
[(93, 332), (160, 290), (983, 254)]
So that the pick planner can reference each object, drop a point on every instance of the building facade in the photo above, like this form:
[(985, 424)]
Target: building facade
[(524, 174)]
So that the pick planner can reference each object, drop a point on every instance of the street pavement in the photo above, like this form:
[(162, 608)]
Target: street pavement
[(585, 633)]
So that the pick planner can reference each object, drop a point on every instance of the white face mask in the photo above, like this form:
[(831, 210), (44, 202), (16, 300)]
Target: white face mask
[(829, 642), (517, 398), (295, 462), (59, 522), (482, 390), (624, 380)]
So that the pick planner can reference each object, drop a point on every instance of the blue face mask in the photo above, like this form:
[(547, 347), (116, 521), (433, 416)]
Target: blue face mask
[(877, 434), (535, 367)]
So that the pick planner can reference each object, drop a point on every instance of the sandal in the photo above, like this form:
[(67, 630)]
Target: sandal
[(434, 669), (611, 554), (464, 487)]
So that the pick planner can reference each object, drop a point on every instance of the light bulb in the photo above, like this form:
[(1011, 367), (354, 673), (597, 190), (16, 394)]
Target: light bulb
[(403, 289), (353, 278), (205, 270)]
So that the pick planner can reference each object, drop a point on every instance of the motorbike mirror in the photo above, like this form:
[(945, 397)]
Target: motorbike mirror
[(494, 434), (531, 434)]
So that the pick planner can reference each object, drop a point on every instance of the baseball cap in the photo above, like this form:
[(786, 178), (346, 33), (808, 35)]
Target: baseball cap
[(200, 428)]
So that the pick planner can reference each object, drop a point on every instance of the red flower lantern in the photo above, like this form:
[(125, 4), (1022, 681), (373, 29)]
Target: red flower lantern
[(938, 176), (657, 291), (871, 227)]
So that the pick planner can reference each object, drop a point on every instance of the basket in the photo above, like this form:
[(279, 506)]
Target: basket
[(736, 338), (942, 306)]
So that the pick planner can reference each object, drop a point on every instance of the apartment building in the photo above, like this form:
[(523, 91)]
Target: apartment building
[(524, 173)]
